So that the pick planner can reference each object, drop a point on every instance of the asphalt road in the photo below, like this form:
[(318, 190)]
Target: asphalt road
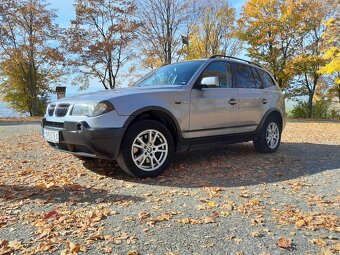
[(224, 200)]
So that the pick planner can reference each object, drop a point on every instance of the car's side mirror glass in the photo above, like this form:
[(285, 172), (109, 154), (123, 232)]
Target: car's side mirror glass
[(212, 81)]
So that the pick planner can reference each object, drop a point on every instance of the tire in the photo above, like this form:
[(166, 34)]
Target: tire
[(141, 157), (269, 138)]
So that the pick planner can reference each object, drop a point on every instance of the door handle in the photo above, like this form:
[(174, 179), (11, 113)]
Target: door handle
[(232, 101), (264, 101)]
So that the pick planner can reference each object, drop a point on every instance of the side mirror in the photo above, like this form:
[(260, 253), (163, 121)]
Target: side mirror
[(212, 81)]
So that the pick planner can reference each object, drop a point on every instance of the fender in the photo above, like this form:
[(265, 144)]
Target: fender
[(271, 110), (153, 108)]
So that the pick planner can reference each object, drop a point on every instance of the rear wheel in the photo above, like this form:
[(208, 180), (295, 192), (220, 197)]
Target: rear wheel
[(270, 136), (147, 149)]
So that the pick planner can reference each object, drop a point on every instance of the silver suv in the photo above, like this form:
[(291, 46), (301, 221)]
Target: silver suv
[(175, 108)]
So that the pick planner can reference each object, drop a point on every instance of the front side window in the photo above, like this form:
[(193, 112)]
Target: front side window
[(245, 77), (222, 70), (267, 79), (173, 74)]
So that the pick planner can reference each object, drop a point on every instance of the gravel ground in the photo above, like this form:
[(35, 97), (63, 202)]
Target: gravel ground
[(225, 200)]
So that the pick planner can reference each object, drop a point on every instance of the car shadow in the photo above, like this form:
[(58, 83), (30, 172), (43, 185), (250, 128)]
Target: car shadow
[(234, 165), (60, 194)]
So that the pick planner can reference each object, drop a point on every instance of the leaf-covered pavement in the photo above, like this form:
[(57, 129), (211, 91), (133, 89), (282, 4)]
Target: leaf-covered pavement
[(225, 200)]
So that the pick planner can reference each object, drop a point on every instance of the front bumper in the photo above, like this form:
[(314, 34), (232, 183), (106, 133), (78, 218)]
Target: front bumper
[(80, 139)]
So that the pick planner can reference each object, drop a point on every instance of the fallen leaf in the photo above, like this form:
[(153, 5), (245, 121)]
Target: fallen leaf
[(96, 219), (74, 247), (107, 249), (319, 242), (256, 234), (143, 215), (224, 214), (284, 243), (208, 219), (336, 247), (133, 252), (211, 204), (300, 223), (16, 245)]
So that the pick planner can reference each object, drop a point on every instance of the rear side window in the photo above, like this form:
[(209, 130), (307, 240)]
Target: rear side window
[(245, 77), (222, 70), (258, 82), (266, 79)]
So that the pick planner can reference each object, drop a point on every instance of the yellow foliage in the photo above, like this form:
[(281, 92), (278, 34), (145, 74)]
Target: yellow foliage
[(331, 49), (213, 33), (274, 30)]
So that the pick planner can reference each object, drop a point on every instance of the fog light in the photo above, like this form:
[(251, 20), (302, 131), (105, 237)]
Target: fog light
[(79, 127)]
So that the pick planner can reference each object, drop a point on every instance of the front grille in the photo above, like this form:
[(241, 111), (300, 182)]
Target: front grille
[(51, 109), (54, 124), (61, 110)]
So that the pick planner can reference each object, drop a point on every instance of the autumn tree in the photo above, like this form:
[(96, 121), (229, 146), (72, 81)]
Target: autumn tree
[(159, 34), (305, 66), (331, 54), (273, 29), (98, 39), (29, 54), (211, 31)]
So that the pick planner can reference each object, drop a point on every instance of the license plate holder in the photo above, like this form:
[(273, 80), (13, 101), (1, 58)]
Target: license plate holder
[(51, 135)]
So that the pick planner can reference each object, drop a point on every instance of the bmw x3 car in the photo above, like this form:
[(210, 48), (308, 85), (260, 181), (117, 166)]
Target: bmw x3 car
[(177, 107)]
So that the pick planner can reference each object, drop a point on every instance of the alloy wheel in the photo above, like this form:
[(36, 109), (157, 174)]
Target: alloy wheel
[(272, 135), (149, 150)]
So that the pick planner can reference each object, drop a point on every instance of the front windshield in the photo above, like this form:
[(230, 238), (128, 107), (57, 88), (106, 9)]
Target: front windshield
[(173, 74)]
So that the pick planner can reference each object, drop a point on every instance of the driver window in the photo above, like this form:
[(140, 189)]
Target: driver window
[(222, 70)]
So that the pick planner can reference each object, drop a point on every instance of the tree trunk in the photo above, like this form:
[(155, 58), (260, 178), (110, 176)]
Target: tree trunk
[(32, 71), (310, 106)]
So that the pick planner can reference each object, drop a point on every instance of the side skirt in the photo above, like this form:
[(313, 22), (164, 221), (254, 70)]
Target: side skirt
[(188, 144)]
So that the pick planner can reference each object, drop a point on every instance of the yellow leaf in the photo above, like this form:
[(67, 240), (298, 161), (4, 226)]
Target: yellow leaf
[(319, 242), (224, 214), (185, 221), (96, 219), (211, 204), (336, 247), (300, 223), (16, 245), (133, 252)]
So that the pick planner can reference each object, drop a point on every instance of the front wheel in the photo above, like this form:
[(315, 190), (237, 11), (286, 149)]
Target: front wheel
[(269, 138), (146, 150)]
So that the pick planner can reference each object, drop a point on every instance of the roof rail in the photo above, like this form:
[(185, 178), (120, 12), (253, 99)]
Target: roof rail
[(230, 57)]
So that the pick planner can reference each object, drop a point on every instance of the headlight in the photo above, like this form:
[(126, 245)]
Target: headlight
[(102, 107), (92, 109)]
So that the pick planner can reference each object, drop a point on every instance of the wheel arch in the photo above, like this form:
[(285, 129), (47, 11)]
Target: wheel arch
[(159, 114), (271, 112)]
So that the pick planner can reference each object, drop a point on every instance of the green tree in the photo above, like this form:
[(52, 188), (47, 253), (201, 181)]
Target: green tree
[(98, 39), (28, 60), (15, 90)]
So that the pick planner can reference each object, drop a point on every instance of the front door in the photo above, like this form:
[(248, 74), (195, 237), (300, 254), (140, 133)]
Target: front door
[(214, 110)]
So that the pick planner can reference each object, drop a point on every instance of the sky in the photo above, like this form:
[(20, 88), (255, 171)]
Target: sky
[(66, 12)]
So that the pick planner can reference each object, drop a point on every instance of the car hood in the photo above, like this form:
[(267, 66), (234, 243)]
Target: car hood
[(109, 94)]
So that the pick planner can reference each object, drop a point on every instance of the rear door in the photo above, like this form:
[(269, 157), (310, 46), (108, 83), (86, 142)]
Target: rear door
[(213, 110), (252, 99)]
